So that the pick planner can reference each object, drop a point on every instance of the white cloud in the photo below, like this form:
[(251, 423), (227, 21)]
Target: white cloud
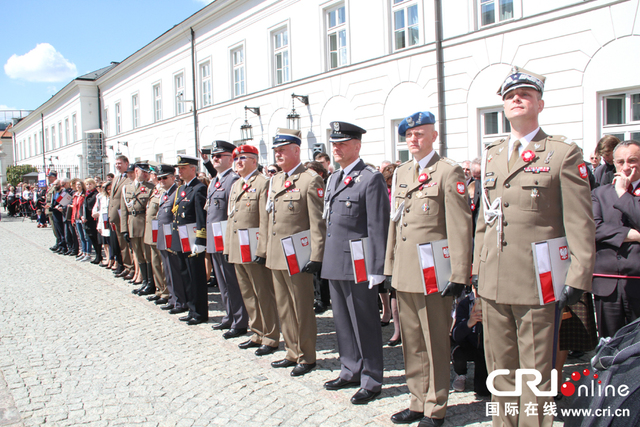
[(42, 64)]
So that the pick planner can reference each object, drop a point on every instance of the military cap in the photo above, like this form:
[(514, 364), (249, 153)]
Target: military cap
[(164, 170), (416, 119), (519, 77), (131, 167), (184, 160), (143, 165), (287, 136), (245, 149), (222, 147), (343, 131), (53, 173)]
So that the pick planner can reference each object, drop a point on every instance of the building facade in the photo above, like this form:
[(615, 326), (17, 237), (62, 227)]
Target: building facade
[(371, 63)]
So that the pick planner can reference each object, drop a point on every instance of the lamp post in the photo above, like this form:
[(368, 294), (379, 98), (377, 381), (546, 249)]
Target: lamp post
[(246, 130), (293, 118)]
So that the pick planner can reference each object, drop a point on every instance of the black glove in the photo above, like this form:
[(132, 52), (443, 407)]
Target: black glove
[(126, 236), (312, 267), (474, 281), (569, 296), (454, 289), (259, 260), (226, 257)]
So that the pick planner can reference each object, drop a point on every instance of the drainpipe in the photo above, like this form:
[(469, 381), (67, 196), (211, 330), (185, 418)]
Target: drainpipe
[(193, 75), (442, 116), (44, 159)]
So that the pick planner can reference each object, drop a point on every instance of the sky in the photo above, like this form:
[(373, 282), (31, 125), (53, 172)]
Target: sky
[(48, 43)]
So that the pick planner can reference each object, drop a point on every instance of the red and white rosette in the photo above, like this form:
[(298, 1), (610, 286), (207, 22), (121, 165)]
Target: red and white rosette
[(218, 184), (423, 177), (245, 247), (245, 187), (183, 194), (287, 184), (347, 180), (528, 156)]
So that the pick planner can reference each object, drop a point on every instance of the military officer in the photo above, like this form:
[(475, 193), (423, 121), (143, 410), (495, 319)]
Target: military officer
[(247, 203), (294, 204), (170, 261), (236, 317), (188, 210), (429, 203), (161, 295), (356, 206), (535, 188), (122, 249), (135, 196)]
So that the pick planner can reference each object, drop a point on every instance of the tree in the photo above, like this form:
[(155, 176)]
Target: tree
[(14, 173)]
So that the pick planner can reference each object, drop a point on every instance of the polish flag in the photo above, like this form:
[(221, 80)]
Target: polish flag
[(245, 248), (290, 253), (428, 269), (218, 241), (166, 228), (184, 238), (105, 221), (357, 253), (544, 272), (154, 230)]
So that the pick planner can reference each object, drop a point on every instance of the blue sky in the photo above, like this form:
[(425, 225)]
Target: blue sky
[(47, 43)]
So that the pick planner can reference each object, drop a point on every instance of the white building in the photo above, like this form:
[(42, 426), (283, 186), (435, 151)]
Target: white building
[(367, 62)]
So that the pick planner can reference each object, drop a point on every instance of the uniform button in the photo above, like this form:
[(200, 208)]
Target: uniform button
[(504, 243), (407, 210), (274, 221), (536, 182), (234, 231), (619, 257), (409, 196), (330, 211), (506, 204), (404, 239), (276, 200), (274, 233), (507, 185), (405, 224), (329, 223), (329, 235), (506, 223)]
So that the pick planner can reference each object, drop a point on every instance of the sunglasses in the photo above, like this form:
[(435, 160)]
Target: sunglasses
[(218, 156), (243, 158), (162, 178), (272, 171)]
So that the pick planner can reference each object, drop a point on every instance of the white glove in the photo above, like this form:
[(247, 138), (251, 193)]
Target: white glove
[(376, 279), (198, 249)]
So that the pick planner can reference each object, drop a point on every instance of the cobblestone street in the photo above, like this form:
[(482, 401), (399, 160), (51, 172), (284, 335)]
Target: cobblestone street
[(77, 348)]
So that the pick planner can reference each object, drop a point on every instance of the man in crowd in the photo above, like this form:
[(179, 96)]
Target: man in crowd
[(356, 207), (122, 249), (537, 189), (51, 191), (429, 203), (604, 173), (58, 217), (161, 296), (616, 211), (294, 204)]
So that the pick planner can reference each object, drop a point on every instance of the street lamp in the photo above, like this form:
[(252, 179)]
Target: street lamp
[(246, 130), (293, 118)]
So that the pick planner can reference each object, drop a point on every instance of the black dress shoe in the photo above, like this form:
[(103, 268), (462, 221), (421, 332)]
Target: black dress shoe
[(184, 318), (248, 344), (148, 290), (123, 273), (393, 343), (96, 260), (161, 301), (153, 297), (431, 422), (284, 363), (319, 307), (221, 326), (263, 350), (138, 290), (234, 333), (53, 248), (177, 310), (167, 307), (364, 396), (339, 383), (193, 321), (118, 270), (302, 368), (406, 417)]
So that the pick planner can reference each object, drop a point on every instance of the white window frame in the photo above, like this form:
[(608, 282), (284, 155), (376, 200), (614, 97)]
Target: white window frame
[(135, 110), (28, 146), (74, 126), (334, 31), (399, 144), (403, 6), (629, 128), (60, 132), (515, 5), (40, 141), (118, 113), (105, 121), (46, 139), (503, 125), (281, 35), (53, 137), (178, 90), (206, 85), (238, 86), (156, 91), (66, 131)]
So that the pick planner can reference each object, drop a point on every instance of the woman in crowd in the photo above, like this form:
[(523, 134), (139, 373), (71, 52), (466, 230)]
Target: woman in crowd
[(101, 214), (273, 169), (84, 254), (88, 220), (12, 201)]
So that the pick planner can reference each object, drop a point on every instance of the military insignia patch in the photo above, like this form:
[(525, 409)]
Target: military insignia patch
[(320, 192), (425, 207), (582, 168), (460, 187), (537, 169), (336, 126)]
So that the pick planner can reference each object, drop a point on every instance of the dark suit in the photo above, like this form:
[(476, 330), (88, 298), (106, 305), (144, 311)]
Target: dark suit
[(617, 299), (474, 202), (358, 207), (604, 174)]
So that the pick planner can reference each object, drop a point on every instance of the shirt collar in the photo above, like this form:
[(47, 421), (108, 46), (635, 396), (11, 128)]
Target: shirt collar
[(349, 168), (289, 173), (425, 160), (248, 177), (524, 141)]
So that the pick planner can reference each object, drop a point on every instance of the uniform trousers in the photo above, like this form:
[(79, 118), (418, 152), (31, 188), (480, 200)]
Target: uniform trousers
[(58, 225), (294, 297), (256, 286), (194, 277), (519, 336), (357, 320), (425, 322), (175, 287), (124, 247), (236, 313), (55, 232), (141, 251), (158, 275), (618, 309)]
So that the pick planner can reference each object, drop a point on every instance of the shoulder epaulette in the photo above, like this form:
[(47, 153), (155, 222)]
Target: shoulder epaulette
[(560, 138), (312, 172), (371, 169), (448, 160), (496, 142)]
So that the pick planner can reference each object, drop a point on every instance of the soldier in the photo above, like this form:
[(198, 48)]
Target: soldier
[(51, 191), (236, 318), (294, 205), (188, 211), (123, 258), (135, 196), (535, 187), (356, 206), (429, 203), (247, 203), (161, 295)]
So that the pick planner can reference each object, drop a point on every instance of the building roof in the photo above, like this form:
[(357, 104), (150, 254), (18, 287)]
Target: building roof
[(6, 133), (94, 75)]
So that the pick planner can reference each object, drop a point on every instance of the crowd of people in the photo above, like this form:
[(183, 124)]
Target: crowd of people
[(290, 240)]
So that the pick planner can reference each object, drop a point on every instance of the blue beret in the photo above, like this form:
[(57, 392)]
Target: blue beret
[(416, 119)]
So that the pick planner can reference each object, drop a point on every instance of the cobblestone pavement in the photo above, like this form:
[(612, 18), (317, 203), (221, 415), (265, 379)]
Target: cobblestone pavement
[(77, 348)]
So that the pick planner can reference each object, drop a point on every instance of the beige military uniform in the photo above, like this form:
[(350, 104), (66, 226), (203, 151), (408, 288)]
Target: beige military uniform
[(115, 208), (247, 210), (535, 195), (295, 209), (433, 210), (156, 261), (48, 200), (132, 217)]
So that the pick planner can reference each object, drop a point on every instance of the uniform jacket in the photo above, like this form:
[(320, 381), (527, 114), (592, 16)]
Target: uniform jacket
[(218, 196), (49, 197), (295, 209), (188, 208), (247, 210), (357, 209), (614, 216), (116, 198), (165, 204), (433, 210), (153, 205), (474, 202), (535, 197), (133, 207)]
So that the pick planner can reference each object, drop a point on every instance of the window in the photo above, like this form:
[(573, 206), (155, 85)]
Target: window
[(406, 25), (53, 137), (60, 133), (205, 83), (118, 118), (66, 131), (488, 11), (337, 37), (105, 122), (401, 151), (40, 142), (159, 158), (74, 127), (621, 115), (179, 86), (29, 147), (237, 59), (493, 124), (157, 103), (135, 111), (46, 138), (281, 56)]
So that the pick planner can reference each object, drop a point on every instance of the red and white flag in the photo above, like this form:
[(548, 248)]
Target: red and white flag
[(218, 240), (544, 272), (290, 254), (154, 230), (105, 221), (359, 265), (166, 229), (245, 245), (428, 269), (183, 232)]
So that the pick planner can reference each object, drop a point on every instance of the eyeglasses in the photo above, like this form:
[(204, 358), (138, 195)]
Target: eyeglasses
[(162, 178), (272, 171), (217, 156), (243, 158)]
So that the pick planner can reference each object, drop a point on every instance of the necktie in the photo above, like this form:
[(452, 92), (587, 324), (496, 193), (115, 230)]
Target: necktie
[(515, 153), (339, 180)]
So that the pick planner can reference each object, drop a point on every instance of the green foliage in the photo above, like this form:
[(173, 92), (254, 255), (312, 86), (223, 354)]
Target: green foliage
[(14, 173)]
